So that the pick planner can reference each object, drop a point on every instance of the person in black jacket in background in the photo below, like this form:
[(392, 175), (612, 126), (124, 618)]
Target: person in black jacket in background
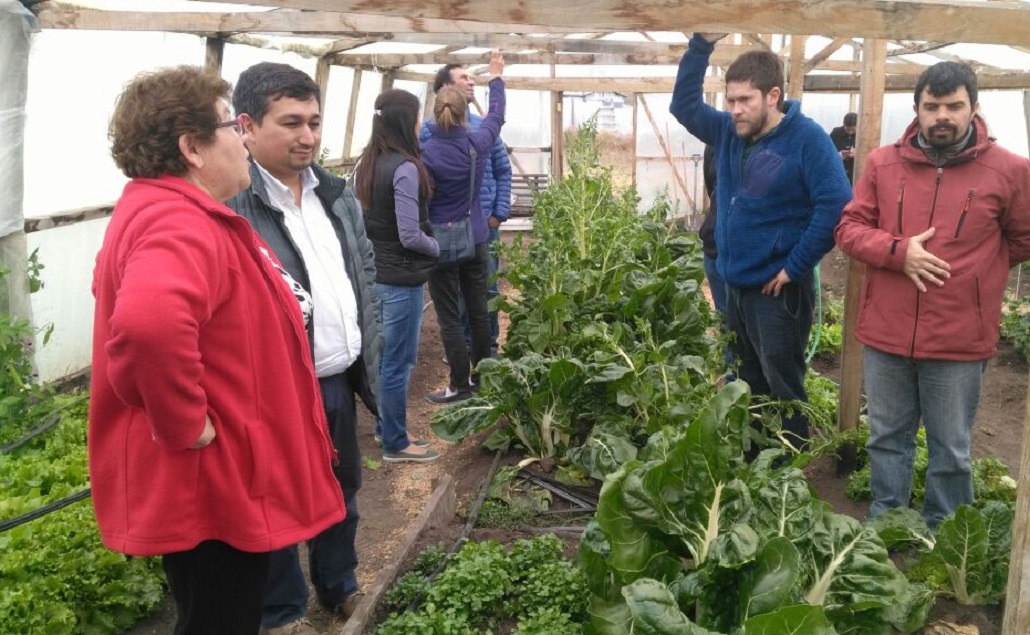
[(707, 234), (843, 138)]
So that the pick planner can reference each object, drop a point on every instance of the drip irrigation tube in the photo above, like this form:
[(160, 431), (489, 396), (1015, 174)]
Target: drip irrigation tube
[(50, 421), (469, 525), (43, 511)]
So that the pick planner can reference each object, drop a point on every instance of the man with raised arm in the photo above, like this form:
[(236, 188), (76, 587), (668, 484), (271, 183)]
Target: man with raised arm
[(780, 189)]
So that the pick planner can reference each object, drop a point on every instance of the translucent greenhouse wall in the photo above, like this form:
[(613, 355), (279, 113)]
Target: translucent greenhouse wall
[(75, 76)]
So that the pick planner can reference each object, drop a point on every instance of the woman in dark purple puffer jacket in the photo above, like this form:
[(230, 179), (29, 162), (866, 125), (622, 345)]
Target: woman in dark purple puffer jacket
[(448, 156)]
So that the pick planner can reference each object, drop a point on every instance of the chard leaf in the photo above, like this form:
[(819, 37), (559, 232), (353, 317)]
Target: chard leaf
[(850, 565), (790, 620), (902, 526), (635, 553), (592, 559), (911, 612), (735, 547), (608, 617), (606, 448), (770, 581), (962, 547), (998, 519), (783, 505), (655, 612), (457, 421), (692, 495)]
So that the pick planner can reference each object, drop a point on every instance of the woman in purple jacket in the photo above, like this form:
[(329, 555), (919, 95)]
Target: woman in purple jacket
[(448, 156), (394, 188)]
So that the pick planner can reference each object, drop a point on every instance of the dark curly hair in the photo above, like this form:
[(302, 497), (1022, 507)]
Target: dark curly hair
[(154, 110), (763, 69)]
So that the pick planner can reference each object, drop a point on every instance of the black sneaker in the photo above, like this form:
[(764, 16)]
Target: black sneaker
[(449, 395)]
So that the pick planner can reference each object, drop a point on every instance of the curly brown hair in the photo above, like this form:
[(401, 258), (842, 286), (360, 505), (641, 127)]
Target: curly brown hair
[(154, 110)]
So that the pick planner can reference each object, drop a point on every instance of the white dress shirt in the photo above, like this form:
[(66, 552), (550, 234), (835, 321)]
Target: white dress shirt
[(335, 327)]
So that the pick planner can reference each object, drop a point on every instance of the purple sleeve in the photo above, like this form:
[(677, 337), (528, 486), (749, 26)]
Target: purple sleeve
[(484, 136), (405, 195)]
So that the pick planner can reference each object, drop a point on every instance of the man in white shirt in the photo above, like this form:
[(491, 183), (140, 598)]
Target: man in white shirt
[(313, 223)]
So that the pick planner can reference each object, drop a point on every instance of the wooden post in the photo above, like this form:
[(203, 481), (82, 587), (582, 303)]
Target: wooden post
[(1017, 593), (322, 79), (557, 134), (214, 52), (668, 153), (427, 110), (874, 62), (388, 79), (1026, 115), (352, 113), (633, 165), (796, 81), (853, 98)]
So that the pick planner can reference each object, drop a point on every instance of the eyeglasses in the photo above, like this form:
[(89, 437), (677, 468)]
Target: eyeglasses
[(236, 124)]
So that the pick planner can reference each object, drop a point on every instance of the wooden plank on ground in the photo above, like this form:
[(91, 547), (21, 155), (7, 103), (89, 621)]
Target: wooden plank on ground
[(944, 20), (874, 58), (439, 511)]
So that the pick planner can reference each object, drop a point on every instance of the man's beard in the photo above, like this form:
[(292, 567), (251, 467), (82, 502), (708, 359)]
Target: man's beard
[(940, 142), (750, 130)]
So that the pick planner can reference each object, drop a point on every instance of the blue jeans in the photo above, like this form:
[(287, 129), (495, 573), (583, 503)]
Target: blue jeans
[(900, 392), (771, 338), (448, 286), (332, 556), (402, 321)]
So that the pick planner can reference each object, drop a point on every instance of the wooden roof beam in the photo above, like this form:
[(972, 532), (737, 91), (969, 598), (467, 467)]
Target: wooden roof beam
[(324, 23), (812, 83), (964, 20)]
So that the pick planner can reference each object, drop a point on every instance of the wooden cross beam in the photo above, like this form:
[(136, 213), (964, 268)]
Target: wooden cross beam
[(58, 16), (951, 20)]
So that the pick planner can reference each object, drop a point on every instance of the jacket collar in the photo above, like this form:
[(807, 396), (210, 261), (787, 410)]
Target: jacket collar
[(192, 192), (329, 188), (908, 147)]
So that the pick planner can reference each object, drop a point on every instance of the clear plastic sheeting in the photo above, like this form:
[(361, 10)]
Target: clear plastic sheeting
[(17, 25)]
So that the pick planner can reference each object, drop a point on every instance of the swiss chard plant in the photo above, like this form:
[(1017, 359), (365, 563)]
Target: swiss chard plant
[(689, 537)]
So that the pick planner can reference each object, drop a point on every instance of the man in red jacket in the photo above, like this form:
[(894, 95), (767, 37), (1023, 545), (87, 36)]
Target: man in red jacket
[(938, 217)]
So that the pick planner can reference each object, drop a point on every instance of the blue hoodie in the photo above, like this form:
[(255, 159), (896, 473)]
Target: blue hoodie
[(446, 157), (778, 210)]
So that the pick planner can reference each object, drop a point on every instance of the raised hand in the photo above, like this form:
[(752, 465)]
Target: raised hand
[(712, 37), (496, 67)]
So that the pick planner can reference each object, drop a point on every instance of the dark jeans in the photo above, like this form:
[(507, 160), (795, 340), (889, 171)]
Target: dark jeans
[(217, 589), (467, 282), (332, 556), (771, 338), (491, 293)]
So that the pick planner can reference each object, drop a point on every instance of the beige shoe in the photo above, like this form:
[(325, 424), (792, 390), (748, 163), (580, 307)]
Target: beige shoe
[(346, 608), (299, 627)]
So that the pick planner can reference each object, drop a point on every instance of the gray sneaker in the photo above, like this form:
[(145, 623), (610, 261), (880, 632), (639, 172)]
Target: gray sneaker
[(399, 457)]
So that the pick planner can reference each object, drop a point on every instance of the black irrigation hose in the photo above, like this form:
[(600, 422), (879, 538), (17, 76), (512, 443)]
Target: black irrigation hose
[(43, 511), (51, 420), (460, 540)]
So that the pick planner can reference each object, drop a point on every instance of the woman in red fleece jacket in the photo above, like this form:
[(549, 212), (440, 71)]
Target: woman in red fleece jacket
[(207, 439)]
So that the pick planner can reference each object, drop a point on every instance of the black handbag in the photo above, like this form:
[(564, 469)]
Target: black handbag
[(457, 242)]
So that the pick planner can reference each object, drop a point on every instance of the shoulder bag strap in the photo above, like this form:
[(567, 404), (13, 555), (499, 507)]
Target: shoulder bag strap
[(472, 178)]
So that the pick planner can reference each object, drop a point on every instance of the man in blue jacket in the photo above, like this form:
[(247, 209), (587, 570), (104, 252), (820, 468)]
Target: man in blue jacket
[(780, 188), (496, 191)]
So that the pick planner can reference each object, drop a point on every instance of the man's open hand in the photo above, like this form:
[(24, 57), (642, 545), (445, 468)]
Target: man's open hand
[(921, 265)]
